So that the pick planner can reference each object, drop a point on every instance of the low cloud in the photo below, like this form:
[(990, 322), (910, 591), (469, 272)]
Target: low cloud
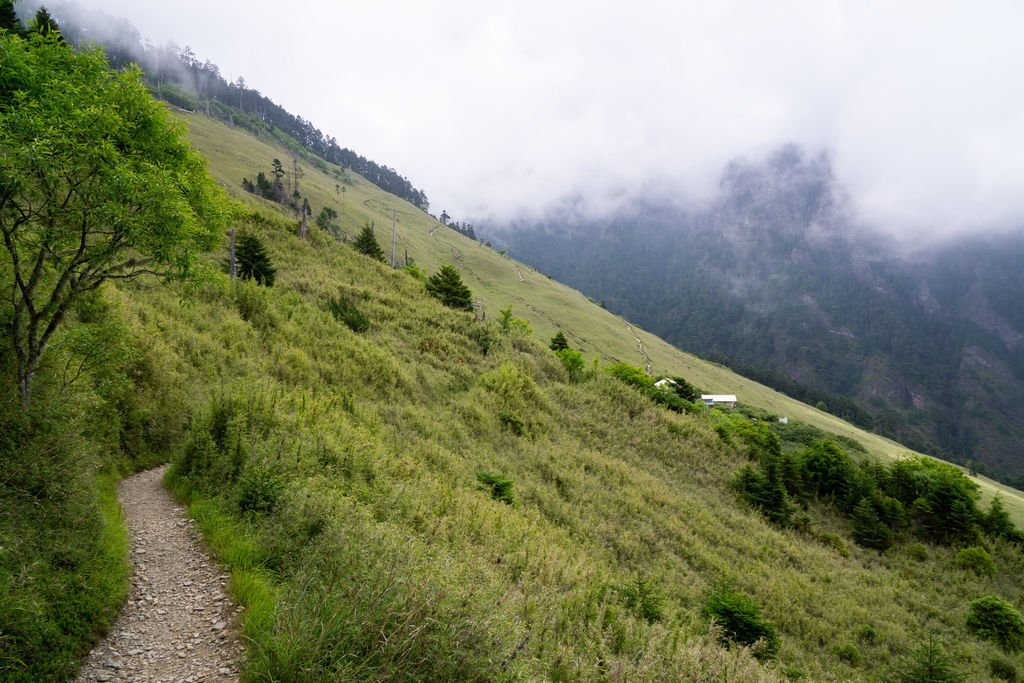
[(497, 112)]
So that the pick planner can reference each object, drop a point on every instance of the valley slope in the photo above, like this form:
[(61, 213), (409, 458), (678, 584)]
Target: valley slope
[(776, 279)]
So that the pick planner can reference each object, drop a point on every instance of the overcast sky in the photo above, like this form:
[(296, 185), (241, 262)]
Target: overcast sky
[(494, 108)]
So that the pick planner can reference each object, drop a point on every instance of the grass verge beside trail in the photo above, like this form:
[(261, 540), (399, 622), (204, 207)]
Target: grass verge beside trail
[(64, 573), (232, 543)]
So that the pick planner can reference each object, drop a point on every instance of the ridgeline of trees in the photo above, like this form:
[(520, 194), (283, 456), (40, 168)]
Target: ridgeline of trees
[(461, 227), (179, 77)]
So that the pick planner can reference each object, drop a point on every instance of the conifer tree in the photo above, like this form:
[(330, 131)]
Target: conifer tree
[(9, 18), (45, 24), (559, 342), (447, 286), (366, 243), (253, 261), (868, 530)]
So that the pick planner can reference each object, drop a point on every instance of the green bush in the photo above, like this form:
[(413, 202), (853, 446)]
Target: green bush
[(1002, 669), (512, 422), (849, 654), (499, 486), (572, 361), (867, 634), (642, 597), (258, 491), (992, 618), (345, 311), (976, 560), (918, 552), (836, 542), (741, 622)]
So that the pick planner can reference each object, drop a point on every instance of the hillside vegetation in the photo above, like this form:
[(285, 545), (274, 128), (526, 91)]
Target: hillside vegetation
[(498, 282), (405, 491)]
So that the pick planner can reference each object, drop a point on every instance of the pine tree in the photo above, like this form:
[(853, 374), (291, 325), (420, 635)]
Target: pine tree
[(559, 342), (868, 530), (366, 244), (253, 261), (45, 24), (9, 18), (928, 664), (447, 286)]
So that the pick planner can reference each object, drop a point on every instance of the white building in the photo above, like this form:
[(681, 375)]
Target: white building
[(713, 400)]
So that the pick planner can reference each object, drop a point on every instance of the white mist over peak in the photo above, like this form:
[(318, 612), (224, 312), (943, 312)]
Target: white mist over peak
[(502, 109)]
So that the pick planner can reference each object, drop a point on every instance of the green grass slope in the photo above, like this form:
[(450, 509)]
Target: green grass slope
[(351, 480), (498, 281), (347, 467)]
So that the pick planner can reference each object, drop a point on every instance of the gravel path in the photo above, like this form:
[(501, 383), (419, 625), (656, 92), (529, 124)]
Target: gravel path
[(178, 623)]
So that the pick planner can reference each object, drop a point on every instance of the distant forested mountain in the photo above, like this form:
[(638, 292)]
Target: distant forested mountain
[(774, 280), (179, 77)]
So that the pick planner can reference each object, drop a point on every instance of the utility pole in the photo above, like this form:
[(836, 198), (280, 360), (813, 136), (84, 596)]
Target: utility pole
[(394, 219), (234, 271)]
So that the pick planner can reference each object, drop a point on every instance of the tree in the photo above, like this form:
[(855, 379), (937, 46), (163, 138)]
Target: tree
[(446, 285), (445, 217), (572, 360), (277, 188), (512, 325), (9, 18), (97, 183), (684, 389), (868, 530), (559, 342), (253, 261), (741, 621), (928, 664), (366, 243), (45, 24)]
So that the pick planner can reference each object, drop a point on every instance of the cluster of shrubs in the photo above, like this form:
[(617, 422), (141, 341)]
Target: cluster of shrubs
[(677, 395), (913, 497)]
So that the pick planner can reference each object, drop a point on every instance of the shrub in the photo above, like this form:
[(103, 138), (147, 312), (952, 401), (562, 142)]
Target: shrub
[(976, 560), (572, 360), (918, 552), (849, 653), (259, 491), (867, 634), (1002, 669), (510, 324), (643, 598), (741, 622), (992, 618), (836, 542), (512, 422), (499, 486), (345, 311)]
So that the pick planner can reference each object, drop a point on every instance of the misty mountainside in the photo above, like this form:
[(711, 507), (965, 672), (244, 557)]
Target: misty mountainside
[(775, 280)]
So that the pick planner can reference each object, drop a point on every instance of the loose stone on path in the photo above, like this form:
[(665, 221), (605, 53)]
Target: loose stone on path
[(178, 624)]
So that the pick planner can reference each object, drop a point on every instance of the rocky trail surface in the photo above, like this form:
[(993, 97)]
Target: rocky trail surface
[(178, 624)]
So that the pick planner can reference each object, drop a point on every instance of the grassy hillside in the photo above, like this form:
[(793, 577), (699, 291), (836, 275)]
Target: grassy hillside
[(498, 281), (434, 498), (347, 466), (352, 480)]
